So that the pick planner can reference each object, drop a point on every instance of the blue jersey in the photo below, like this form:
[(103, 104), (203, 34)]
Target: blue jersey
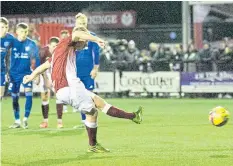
[(6, 44), (87, 58), (22, 54)]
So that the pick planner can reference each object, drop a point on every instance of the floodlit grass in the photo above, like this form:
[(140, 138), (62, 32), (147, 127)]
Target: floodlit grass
[(175, 132)]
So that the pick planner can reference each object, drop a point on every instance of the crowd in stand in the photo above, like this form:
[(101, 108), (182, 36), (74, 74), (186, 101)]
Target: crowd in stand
[(125, 56)]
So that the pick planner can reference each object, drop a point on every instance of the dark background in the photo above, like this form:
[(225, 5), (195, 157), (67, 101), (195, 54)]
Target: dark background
[(147, 12)]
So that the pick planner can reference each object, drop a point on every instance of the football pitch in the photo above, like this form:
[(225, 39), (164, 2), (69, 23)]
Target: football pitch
[(174, 132)]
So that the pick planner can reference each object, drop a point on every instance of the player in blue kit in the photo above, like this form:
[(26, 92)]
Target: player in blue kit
[(87, 60), (6, 43), (24, 58)]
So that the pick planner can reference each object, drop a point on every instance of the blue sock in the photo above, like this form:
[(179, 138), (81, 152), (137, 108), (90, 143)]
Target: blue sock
[(83, 116), (15, 98), (28, 104)]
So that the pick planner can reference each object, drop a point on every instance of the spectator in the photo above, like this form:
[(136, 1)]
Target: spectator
[(190, 59), (176, 59), (145, 61), (205, 58), (153, 47), (132, 54), (161, 59), (225, 58), (106, 56), (119, 58)]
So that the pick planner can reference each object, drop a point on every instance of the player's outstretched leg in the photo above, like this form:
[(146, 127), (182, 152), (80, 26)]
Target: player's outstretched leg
[(16, 108), (28, 107), (59, 107), (116, 112), (45, 109), (91, 127)]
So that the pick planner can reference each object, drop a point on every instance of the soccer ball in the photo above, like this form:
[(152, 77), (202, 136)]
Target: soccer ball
[(219, 116)]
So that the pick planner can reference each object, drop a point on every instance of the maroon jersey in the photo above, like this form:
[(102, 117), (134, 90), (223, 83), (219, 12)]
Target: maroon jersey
[(59, 63), (44, 54)]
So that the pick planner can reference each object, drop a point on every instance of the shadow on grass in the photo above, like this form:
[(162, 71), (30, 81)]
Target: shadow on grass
[(220, 156), (87, 156), (46, 132), (9, 163), (55, 114)]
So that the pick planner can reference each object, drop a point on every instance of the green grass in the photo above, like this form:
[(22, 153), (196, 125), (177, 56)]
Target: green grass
[(174, 133)]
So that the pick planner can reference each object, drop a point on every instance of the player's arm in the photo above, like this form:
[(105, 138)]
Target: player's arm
[(78, 35), (95, 51), (35, 58), (7, 64), (42, 68)]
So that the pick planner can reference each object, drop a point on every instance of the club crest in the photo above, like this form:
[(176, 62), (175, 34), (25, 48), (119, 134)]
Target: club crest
[(27, 48), (6, 44)]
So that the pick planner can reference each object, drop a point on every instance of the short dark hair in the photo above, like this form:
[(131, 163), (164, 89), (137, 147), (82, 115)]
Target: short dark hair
[(22, 25), (4, 20), (54, 39), (64, 32)]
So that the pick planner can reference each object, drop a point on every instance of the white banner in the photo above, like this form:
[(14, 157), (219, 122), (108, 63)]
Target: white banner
[(36, 88), (104, 82), (150, 82)]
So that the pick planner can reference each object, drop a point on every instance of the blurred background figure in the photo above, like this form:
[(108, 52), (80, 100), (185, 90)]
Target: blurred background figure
[(132, 54), (205, 58), (33, 34), (176, 58), (119, 58), (190, 59), (145, 61), (64, 34), (161, 59)]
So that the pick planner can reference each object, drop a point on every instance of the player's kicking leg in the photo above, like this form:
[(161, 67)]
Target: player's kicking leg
[(91, 119), (110, 110)]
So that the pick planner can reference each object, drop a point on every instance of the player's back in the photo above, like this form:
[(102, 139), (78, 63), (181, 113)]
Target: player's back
[(21, 56), (58, 63), (6, 43)]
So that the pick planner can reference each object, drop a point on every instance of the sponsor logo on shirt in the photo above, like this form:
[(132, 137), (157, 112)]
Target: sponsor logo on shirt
[(6, 44), (27, 48), (21, 56)]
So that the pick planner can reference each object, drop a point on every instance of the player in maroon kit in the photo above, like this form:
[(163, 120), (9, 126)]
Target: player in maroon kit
[(45, 85), (70, 90)]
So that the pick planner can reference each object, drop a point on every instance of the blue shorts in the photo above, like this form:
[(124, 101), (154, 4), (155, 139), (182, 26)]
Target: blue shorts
[(88, 82), (14, 87), (3, 81)]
